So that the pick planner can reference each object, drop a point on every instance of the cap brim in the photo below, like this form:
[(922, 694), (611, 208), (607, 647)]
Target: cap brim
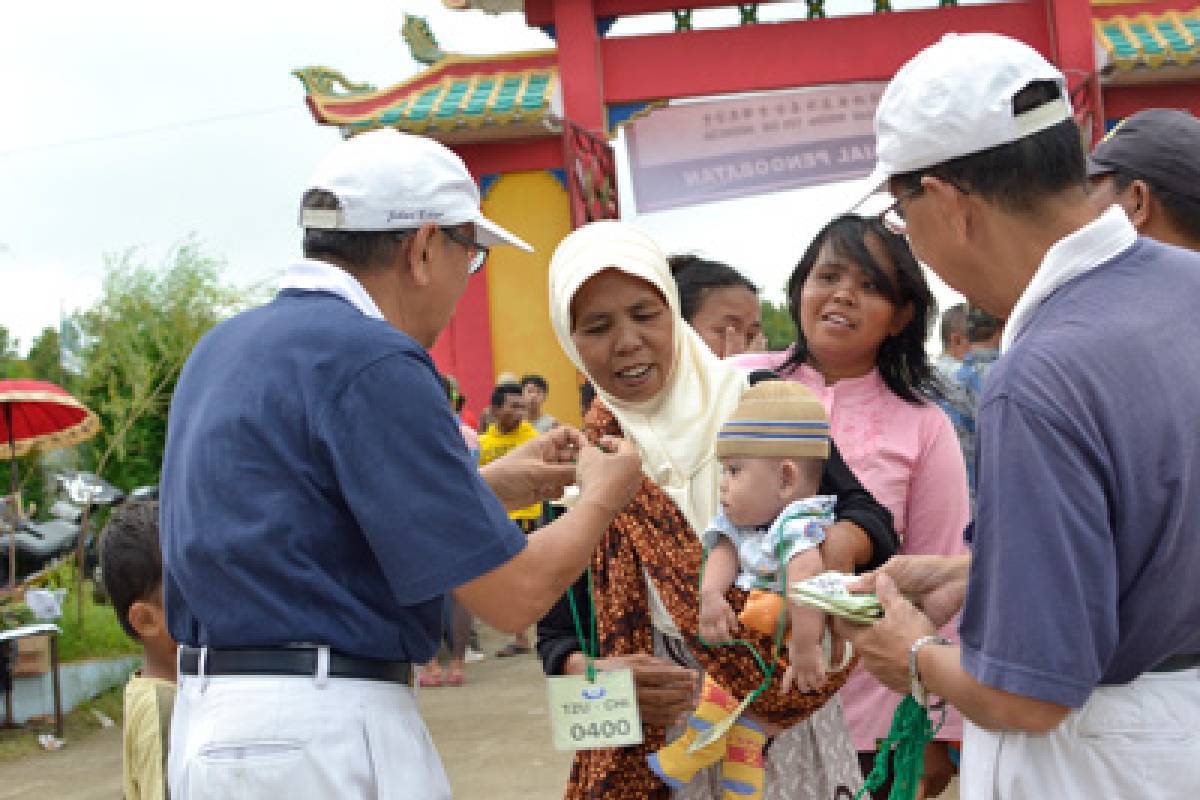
[(1097, 168), (878, 181), (490, 234)]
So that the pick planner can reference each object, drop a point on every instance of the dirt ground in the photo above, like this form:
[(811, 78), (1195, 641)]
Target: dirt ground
[(493, 735)]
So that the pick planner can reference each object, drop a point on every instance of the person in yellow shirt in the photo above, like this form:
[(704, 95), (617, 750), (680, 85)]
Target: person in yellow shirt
[(131, 562), (508, 430)]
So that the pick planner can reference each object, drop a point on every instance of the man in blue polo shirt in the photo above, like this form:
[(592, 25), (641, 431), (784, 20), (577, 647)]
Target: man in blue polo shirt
[(318, 500), (1079, 668)]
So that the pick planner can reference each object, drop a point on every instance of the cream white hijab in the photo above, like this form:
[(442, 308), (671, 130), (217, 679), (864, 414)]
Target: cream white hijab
[(676, 431)]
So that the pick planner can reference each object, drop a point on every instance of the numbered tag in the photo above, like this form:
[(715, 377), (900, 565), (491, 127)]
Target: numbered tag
[(585, 716)]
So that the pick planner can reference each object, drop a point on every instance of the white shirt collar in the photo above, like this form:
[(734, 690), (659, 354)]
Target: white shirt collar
[(319, 276), (1087, 248)]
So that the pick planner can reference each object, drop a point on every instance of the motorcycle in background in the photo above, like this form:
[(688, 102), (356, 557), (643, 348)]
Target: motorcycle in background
[(40, 543)]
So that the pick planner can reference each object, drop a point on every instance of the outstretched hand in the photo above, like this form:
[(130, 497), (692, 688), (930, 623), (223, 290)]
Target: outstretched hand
[(937, 585), (609, 474), (537, 470), (883, 646)]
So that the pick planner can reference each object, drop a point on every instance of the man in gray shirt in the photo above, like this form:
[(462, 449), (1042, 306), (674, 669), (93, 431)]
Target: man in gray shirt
[(1079, 667)]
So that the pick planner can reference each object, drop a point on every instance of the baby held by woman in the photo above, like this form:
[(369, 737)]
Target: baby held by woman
[(765, 537)]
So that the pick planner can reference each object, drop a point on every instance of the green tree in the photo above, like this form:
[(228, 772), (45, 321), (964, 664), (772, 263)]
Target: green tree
[(10, 356), (139, 334), (777, 325), (43, 362)]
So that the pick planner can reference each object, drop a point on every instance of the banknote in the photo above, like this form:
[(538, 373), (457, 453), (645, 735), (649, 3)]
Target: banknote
[(829, 592)]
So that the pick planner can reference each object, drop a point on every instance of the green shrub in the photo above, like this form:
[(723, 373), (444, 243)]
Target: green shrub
[(99, 636)]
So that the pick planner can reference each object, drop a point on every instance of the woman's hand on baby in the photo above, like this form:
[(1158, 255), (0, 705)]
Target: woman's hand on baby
[(718, 623)]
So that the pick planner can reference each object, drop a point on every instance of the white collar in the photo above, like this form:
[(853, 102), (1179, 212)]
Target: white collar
[(320, 276), (1082, 251)]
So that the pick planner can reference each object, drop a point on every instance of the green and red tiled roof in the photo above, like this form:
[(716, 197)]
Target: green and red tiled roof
[(1169, 40), (457, 99)]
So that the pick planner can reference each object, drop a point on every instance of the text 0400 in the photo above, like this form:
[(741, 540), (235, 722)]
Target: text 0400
[(596, 730)]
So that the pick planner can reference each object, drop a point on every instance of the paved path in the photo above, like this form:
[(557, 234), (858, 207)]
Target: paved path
[(494, 732), (86, 769)]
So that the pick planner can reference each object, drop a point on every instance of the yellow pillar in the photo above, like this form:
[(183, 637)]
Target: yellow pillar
[(533, 205)]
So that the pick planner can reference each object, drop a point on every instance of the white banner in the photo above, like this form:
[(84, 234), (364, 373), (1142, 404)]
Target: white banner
[(714, 150)]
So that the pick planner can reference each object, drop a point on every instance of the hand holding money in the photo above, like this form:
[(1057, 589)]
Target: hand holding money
[(830, 592)]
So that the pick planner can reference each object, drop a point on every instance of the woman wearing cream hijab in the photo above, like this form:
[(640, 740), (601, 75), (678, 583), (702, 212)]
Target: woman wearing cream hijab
[(615, 310)]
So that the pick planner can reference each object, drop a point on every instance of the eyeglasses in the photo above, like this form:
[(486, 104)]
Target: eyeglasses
[(892, 217), (478, 251)]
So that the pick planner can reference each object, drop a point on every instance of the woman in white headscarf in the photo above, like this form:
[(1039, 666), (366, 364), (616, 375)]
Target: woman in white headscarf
[(615, 309)]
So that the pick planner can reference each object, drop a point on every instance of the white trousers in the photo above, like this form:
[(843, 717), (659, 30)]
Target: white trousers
[(1140, 741), (292, 738)]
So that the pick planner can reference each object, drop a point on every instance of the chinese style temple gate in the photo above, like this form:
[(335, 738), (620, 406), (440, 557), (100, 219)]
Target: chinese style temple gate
[(532, 126)]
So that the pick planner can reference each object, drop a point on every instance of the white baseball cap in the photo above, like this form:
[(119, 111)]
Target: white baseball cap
[(387, 180), (954, 98)]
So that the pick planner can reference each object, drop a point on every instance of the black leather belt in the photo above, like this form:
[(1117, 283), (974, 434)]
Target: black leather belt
[(1178, 663), (289, 661)]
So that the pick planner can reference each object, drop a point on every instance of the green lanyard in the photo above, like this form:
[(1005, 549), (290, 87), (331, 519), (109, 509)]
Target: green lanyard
[(589, 658), (911, 730), (780, 627)]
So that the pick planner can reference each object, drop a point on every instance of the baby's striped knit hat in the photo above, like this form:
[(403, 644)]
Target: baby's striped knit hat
[(776, 419)]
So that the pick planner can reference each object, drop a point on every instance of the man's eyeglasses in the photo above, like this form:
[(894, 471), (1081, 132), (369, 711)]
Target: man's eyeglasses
[(892, 217), (478, 251)]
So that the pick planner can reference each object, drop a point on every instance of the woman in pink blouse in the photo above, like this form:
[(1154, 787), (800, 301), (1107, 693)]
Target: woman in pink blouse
[(862, 311)]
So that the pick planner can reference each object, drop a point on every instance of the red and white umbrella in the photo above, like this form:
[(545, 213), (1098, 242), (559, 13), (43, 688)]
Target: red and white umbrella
[(36, 415)]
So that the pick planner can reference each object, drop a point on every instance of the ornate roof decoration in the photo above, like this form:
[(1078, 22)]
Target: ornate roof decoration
[(1145, 48), (322, 80), (459, 98), (421, 42)]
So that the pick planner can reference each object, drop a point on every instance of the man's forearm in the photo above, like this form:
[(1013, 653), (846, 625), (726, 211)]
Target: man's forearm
[(500, 481), (556, 555), (520, 591), (994, 709), (560, 552)]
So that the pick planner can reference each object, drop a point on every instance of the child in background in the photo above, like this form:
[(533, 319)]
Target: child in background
[(131, 562), (772, 452)]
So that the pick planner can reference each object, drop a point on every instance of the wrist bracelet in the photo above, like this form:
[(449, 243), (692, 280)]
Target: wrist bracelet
[(916, 688)]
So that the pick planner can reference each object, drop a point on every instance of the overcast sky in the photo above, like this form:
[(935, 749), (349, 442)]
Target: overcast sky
[(136, 123)]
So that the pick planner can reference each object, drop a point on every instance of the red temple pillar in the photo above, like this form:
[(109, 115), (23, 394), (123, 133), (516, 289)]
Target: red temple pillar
[(1074, 50), (579, 66)]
